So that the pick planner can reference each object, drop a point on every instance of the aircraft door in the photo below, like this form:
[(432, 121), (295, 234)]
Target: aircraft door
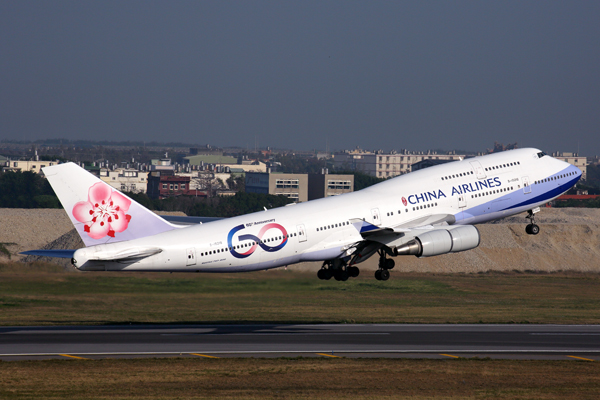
[(462, 201), (190, 257), (376, 216), (526, 186), (479, 172), (301, 233)]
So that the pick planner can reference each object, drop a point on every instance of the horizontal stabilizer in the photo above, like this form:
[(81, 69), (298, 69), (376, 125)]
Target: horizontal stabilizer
[(50, 253)]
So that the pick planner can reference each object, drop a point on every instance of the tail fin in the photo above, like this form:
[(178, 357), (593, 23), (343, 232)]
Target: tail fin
[(100, 213)]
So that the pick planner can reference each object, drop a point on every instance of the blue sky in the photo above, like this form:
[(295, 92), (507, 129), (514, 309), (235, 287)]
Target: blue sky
[(378, 74)]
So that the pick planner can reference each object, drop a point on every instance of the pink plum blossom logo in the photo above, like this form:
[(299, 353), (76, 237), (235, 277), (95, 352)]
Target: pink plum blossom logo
[(104, 212)]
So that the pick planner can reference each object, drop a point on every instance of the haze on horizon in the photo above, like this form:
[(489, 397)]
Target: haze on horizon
[(379, 75)]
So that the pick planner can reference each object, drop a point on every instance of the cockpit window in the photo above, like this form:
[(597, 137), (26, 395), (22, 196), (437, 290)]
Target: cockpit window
[(541, 154)]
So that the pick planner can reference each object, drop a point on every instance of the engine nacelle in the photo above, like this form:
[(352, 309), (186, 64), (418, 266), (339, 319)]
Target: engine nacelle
[(441, 241), (464, 237)]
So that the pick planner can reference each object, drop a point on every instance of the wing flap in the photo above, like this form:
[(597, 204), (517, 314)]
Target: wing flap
[(367, 229)]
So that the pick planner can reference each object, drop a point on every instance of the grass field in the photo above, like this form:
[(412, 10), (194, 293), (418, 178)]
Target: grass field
[(41, 294), (181, 378)]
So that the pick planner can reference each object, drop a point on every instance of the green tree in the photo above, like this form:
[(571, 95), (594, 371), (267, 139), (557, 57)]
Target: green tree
[(593, 175), (26, 190)]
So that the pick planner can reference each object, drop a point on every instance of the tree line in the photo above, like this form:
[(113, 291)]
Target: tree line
[(26, 190)]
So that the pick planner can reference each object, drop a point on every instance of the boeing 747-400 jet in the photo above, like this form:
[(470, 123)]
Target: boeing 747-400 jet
[(425, 213)]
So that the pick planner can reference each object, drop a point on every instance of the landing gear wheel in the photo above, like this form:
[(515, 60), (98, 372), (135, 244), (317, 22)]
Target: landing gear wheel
[(378, 274), (532, 229), (341, 275), (326, 271), (353, 271), (384, 274), (389, 263)]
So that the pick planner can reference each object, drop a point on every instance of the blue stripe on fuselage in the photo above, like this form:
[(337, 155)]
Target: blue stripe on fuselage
[(515, 198), (546, 196)]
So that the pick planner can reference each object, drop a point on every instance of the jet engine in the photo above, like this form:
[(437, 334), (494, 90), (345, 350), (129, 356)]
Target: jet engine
[(441, 241)]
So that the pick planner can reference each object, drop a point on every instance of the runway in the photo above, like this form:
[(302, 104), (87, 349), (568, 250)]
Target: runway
[(345, 340)]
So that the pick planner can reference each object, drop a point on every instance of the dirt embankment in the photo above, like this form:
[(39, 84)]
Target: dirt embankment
[(569, 240)]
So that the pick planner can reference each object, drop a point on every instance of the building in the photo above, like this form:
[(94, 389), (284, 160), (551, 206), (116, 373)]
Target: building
[(292, 186), (427, 163), (573, 159), (385, 165), (299, 187), (125, 180), (164, 165), (222, 163), (33, 166), (325, 185), (161, 186)]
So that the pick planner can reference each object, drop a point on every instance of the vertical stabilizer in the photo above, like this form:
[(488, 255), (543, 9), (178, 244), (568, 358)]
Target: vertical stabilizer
[(100, 213)]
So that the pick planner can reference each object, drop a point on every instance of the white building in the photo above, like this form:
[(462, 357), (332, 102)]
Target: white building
[(33, 166), (125, 180), (573, 159), (385, 165)]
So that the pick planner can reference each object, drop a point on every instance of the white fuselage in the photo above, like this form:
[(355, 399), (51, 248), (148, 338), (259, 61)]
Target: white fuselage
[(470, 191)]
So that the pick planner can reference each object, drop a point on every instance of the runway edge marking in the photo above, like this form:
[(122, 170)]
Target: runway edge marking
[(328, 355), (581, 358), (70, 356), (449, 355), (203, 355)]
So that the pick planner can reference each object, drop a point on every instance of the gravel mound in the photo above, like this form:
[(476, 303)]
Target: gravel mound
[(569, 240)]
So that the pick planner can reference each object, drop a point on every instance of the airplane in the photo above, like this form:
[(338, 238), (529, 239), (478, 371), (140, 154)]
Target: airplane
[(424, 213)]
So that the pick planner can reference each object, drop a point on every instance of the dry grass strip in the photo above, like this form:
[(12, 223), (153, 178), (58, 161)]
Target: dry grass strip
[(324, 378)]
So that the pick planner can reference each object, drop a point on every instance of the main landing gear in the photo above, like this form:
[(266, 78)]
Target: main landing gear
[(338, 270), (532, 228), (385, 264)]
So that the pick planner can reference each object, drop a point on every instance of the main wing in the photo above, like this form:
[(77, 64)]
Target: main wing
[(426, 236)]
